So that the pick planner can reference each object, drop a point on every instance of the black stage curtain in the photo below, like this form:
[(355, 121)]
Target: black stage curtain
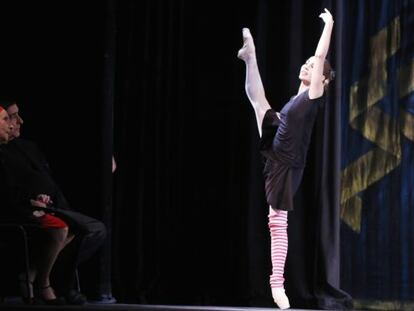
[(181, 184)]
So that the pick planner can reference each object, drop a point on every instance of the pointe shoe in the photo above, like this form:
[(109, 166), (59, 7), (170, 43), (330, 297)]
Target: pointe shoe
[(248, 45), (246, 33), (280, 298)]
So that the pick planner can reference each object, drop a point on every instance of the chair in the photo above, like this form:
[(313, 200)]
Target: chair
[(16, 235)]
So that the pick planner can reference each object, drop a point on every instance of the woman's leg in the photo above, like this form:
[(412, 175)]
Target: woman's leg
[(279, 246), (58, 238), (254, 86)]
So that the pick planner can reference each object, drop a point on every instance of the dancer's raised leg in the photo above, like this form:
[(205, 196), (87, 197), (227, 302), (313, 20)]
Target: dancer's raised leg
[(254, 86)]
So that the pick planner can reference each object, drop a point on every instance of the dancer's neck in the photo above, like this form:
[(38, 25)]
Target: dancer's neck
[(302, 88)]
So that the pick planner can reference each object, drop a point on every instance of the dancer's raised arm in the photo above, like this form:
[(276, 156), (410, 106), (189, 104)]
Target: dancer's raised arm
[(317, 84)]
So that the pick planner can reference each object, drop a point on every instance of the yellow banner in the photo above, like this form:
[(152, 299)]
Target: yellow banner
[(374, 125)]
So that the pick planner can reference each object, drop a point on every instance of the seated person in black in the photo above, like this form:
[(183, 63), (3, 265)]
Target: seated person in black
[(32, 180)]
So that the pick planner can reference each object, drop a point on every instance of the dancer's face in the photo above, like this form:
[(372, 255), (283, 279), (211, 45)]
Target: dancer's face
[(306, 71), (305, 74)]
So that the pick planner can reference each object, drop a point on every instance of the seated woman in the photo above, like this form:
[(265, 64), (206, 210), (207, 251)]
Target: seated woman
[(55, 236), (22, 208), (29, 171)]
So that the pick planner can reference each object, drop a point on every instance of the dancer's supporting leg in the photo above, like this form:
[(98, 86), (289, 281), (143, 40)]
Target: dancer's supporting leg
[(279, 246)]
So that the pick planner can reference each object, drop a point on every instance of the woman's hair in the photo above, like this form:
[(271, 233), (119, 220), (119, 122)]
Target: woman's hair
[(328, 72), (6, 102)]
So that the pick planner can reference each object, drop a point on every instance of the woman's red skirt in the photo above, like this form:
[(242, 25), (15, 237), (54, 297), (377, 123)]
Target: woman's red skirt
[(49, 221)]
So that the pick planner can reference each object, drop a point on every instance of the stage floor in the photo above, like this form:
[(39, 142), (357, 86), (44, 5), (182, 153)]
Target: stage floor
[(119, 306)]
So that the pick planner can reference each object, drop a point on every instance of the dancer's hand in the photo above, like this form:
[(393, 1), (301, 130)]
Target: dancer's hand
[(326, 17)]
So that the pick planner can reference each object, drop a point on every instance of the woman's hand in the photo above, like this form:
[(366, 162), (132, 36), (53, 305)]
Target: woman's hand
[(42, 200), (36, 203), (326, 17), (39, 213)]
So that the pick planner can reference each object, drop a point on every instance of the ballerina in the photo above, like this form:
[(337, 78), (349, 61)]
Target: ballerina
[(285, 139)]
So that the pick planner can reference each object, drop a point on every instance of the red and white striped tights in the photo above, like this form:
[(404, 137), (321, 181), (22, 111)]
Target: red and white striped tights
[(279, 245)]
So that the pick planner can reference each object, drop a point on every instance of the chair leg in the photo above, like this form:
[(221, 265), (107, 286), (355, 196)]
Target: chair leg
[(26, 259), (77, 281)]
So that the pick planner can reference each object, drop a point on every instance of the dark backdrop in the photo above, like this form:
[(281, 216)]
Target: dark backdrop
[(188, 219)]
